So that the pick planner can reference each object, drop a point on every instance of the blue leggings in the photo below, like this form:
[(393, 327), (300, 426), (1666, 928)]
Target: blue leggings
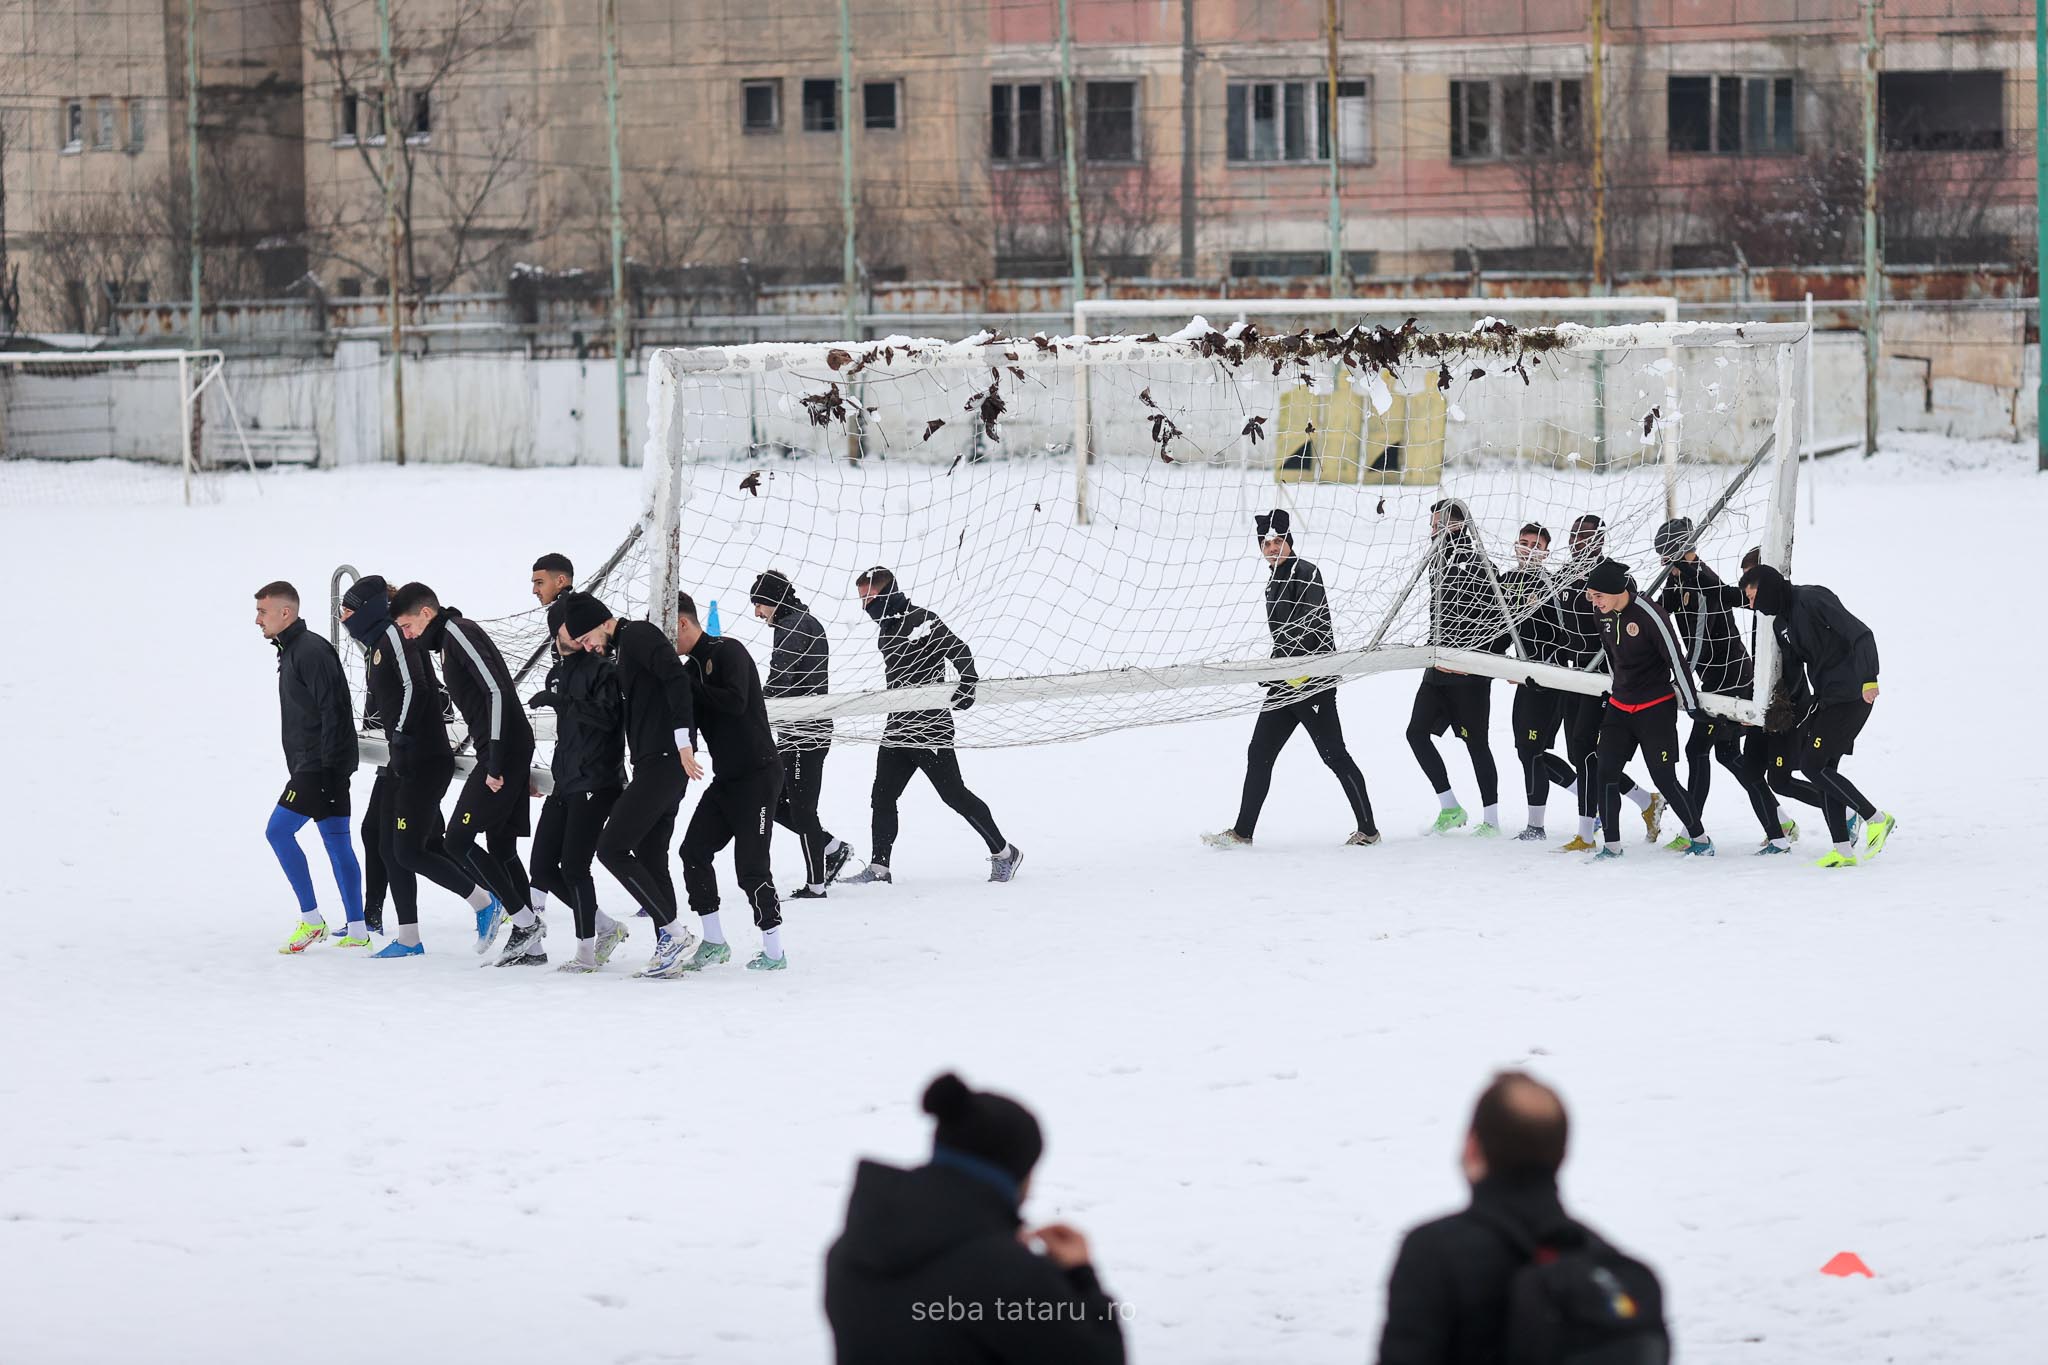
[(283, 834)]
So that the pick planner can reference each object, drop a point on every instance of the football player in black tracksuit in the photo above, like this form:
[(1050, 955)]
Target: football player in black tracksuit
[(1538, 710), (406, 696), (493, 803), (1702, 611), (1774, 749), (799, 665), (1464, 613), (916, 647), (658, 714), (1650, 684), (1298, 616), (1579, 648), (738, 807), (1838, 656), (588, 765)]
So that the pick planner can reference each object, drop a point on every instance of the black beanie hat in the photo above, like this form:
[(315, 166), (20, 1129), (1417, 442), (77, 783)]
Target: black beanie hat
[(772, 589), (582, 613), (993, 1127), (1609, 575), (1273, 524), (364, 591), (1773, 593), (1674, 538)]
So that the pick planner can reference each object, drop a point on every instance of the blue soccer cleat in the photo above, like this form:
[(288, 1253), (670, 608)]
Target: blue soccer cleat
[(397, 949), (488, 921), (1702, 847)]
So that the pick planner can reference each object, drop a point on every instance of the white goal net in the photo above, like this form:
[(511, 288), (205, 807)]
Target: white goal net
[(99, 426), (1080, 511)]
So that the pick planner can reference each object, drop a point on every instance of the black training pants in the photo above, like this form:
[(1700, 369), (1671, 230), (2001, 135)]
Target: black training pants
[(1318, 716), (564, 843), (1723, 738), (1459, 704), (500, 818), (1827, 737), (416, 837), (1655, 731), (1582, 720), (1772, 755), (803, 779), (1537, 713), (634, 845), (377, 874), (737, 810), (894, 767)]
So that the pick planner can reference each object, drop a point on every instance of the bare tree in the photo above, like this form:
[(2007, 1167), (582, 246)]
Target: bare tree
[(1126, 219), (450, 204), (94, 253), (10, 273)]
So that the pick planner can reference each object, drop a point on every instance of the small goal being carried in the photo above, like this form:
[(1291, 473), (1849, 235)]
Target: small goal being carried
[(88, 426), (1079, 510)]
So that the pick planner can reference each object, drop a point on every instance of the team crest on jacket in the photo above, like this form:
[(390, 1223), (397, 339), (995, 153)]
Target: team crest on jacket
[(1634, 629), (376, 656)]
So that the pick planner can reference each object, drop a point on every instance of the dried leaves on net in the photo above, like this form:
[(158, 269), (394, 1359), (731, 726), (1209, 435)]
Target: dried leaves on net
[(988, 404), (1650, 422), (932, 426), (1164, 432), (1255, 427), (752, 483), (826, 408)]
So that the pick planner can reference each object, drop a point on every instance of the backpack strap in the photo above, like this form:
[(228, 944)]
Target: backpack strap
[(1529, 1246)]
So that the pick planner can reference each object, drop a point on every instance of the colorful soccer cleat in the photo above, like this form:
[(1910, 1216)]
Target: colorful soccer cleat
[(1606, 852), (1876, 832), (1448, 820), (1361, 838), (1770, 846), (1578, 843), (397, 949), (761, 962), (1003, 866), (361, 940), (707, 955), (1532, 834), (1681, 844), (1227, 838), (304, 937), (1653, 816), (1834, 857), (609, 939), (1702, 847), (1483, 830), (488, 921)]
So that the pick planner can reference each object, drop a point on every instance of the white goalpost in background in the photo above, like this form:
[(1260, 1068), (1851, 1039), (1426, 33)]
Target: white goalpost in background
[(135, 409)]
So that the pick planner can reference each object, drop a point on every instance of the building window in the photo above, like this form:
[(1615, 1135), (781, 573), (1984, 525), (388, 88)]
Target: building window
[(1941, 111), (1024, 122), (1284, 121), (103, 124), (761, 106), (1516, 116), (879, 106), (1730, 114), (1291, 264), (358, 117), (1110, 117), (419, 120), (72, 130), (821, 106), (136, 125)]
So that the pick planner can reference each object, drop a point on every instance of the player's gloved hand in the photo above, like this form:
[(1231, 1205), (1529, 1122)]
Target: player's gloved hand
[(1700, 715), (540, 699), (1301, 681), (1779, 716), (963, 696)]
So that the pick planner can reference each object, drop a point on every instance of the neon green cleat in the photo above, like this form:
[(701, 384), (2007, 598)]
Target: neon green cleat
[(353, 941), (707, 955), (1791, 831), (1482, 830), (1678, 845), (1876, 832), (1448, 820), (1834, 857), (304, 937)]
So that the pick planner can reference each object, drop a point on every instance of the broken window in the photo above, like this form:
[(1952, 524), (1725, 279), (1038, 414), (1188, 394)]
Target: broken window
[(1941, 111)]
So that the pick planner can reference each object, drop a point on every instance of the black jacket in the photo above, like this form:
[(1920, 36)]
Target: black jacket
[(482, 689), (1447, 1298), (1298, 610), (1644, 657), (1464, 613), (1702, 610), (1578, 622), (1532, 596), (917, 1241), (731, 710), (800, 665), (655, 688), (916, 647), (1837, 651), (404, 695), (312, 701), (590, 739)]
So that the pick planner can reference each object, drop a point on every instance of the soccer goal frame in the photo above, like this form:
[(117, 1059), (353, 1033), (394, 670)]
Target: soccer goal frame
[(198, 371)]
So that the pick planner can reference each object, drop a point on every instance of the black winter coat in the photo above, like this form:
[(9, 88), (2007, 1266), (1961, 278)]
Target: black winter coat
[(482, 689), (916, 647), (1298, 610), (1463, 611), (404, 694), (1644, 658), (800, 665), (318, 724), (656, 689), (1447, 1299), (1837, 651), (590, 739), (1532, 597), (1702, 610), (731, 710), (1578, 622), (926, 1267)]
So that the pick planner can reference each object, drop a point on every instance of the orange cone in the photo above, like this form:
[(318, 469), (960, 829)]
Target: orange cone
[(1847, 1263)]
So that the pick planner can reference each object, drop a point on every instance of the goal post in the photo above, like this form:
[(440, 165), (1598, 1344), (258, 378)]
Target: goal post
[(138, 410)]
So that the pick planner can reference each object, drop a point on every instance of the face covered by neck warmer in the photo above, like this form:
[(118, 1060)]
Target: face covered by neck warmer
[(369, 604)]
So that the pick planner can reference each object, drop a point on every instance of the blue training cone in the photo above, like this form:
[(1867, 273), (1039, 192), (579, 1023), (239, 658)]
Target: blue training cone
[(711, 623)]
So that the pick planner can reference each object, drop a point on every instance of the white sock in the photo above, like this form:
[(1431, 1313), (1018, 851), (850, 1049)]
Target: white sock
[(540, 902), (1847, 848), (833, 847), (358, 929), (479, 899), (1781, 842), (1448, 800), (1537, 815), (523, 919), (817, 888), (771, 941), (1613, 846), (409, 935), (1491, 817), (605, 923), (312, 917), (709, 927), (1639, 795), (1586, 825), (586, 951)]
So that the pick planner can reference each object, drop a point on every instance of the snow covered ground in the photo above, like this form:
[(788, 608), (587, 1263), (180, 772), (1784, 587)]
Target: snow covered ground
[(1253, 1069)]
